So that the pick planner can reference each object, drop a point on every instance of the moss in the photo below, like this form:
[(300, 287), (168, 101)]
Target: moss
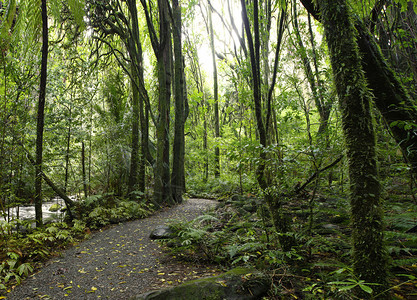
[(54, 207), (369, 257), (239, 283)]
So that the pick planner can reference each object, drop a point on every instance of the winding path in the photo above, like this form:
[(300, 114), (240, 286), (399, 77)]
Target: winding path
[(117, 263)]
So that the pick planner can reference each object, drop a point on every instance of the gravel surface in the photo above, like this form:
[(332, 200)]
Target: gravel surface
[(117, 263)]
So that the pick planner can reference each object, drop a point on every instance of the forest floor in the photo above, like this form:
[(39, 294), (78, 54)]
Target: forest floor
[(116, 263)]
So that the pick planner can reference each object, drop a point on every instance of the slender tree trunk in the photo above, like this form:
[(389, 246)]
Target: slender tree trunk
[(67, 153), (144, 127), (216, 96), (281, 223), (134, 157), (40, 117), (369, 257), (323, 110), (84, 175), (179, 94)]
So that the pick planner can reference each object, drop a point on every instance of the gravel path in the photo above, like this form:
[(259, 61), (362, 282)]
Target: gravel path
[(117, 263)]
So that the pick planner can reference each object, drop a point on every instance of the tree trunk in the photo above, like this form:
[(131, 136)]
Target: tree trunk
[(216, 97), (369, 256), (41, 117), (67, 154), (135, 52), (324, 110), (162, 189), (391, 98), (178, 146), (84, 175), (281, 223), (134, 156)]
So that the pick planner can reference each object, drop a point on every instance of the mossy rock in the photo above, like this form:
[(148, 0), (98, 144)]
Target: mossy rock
[(54, 207), (236, 284)]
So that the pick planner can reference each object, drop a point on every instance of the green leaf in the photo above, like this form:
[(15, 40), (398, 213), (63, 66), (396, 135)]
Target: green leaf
[(366, 288)]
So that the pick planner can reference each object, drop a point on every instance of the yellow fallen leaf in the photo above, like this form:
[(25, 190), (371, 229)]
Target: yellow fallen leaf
[(161, 273), (221, 282)]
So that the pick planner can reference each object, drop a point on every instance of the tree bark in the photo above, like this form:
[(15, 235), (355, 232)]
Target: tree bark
[(41, 117), (391, 98), (134, 156), (162, 189), (369, 256), (177, 176)]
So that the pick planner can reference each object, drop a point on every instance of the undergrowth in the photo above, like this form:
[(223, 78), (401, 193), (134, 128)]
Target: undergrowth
[(239, 232)]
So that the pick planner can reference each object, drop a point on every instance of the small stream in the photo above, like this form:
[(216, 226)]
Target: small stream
[(27, 212)]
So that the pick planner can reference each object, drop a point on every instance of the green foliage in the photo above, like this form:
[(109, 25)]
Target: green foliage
[(20, 252), (102, 210), (220, 187), (11, 270)]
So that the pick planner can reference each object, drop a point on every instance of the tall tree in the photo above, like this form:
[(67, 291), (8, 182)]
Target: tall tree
[(263, 119), (162, 48), (136, 181), (216, 93), (369, 256), (41, 116), (126, 27), (178, 176)]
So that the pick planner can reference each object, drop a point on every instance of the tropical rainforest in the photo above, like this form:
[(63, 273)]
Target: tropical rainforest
[(300, 117)]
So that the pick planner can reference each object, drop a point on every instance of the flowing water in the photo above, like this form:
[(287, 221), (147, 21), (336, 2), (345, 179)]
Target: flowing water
[(27, 212)]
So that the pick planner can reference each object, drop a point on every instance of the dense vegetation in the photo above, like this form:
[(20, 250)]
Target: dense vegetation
[(300, 116)]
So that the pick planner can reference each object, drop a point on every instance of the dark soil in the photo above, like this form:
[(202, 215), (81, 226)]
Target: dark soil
[(117, 263)]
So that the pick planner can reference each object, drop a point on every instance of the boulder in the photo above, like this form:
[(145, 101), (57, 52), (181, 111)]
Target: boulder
[(236, 284), (54, 207), (161, 232)]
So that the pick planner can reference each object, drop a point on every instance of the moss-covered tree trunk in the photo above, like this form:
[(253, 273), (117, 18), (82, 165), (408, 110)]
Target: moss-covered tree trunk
[(369, 256), (391, 97)]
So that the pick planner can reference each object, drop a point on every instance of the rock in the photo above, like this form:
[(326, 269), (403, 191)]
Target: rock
[(54, 207), (161, 232), (237, 284)]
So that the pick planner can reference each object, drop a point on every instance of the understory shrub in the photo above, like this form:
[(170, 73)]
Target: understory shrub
[(102, 210)]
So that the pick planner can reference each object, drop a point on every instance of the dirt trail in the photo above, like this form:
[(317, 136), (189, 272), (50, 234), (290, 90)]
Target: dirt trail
[(117, 263)]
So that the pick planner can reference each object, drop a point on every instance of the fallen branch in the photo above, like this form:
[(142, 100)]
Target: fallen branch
[(299, 188), (68, 202)]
